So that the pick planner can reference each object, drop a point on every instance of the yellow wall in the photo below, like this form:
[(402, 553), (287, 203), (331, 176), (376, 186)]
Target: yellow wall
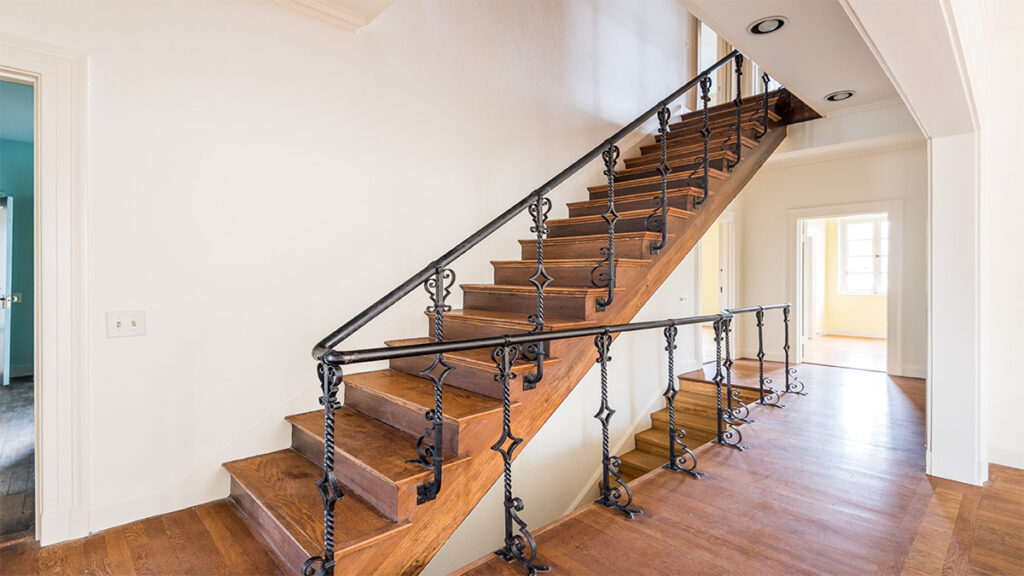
[(709, 271), (858, 314)]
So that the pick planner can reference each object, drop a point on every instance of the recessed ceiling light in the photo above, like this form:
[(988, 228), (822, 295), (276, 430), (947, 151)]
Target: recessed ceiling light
[(840, 95), (767, 25)]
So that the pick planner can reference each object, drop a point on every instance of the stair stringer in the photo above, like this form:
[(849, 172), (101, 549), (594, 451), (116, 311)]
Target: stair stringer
[(411, 550)]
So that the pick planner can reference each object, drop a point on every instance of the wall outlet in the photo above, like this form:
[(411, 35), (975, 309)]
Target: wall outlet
[(126, 324), (684, 299)]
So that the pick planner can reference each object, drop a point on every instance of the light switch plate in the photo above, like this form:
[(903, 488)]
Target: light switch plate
[(126, 324)]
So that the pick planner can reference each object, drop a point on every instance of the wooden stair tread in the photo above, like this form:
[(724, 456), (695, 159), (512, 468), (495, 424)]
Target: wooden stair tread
[(587, 238), (710, 384), (685, 191), (752, 102), (513, 320), (568, 261), (643, 460), (676, 212), (530, 290), (382, 448), (418, 393), (480, 357), (283, 485), (677, 176)]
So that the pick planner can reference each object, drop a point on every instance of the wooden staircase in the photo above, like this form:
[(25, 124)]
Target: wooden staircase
[(380, 529)]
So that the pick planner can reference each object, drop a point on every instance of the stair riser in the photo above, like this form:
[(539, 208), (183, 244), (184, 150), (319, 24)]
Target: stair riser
[(629, 470), (716, 124), (717, 139), (676, 182), (393, 502), (465, 376), (692, 441), (282, 543), (627, 203), (722, 128), (623, 225), (635, 248), (573, 307), (687, 422), (458, 329), (750, 113), (698, 390), (409, 419), (575, 276), (678, 164)]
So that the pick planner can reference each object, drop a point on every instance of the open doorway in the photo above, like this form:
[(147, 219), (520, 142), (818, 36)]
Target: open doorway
[(717, 253), (17, 318), (844, 291)]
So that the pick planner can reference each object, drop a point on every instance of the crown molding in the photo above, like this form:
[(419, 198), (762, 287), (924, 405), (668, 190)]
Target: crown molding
[(336, 12)]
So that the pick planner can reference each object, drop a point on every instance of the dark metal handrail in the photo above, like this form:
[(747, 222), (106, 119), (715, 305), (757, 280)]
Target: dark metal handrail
[(322, 348)]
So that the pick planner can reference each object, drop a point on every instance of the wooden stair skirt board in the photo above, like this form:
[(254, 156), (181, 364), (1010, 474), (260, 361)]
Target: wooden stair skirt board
[(380, 529)]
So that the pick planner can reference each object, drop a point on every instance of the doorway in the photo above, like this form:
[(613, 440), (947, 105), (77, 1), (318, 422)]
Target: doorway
[(844, 280), (717, 278), (17, 317)]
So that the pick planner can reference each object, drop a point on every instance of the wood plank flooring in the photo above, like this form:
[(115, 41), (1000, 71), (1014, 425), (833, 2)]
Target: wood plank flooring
[(832, 484), (17, 459), (847, 352)]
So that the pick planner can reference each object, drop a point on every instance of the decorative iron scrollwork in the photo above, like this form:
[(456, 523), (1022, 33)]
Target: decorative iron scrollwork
[(620, 497), (430, 445), (738, 101), (540, 280), (680, 458), (330, 377), (764, 97), (736, 408), (768, 395), (657, 221), (603, 275), (705, 132), (728, 434), (519, 547), (793, 383)]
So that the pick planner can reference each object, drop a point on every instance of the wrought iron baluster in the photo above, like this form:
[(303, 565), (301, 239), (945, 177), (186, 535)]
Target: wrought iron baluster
[(606, 277), (768, 395), (680, 458), (736, 409), (728, 434), (610, 497), (657, 221), (540, 280), (705, 131), (764, 97), (330, 489), (793, 384), (430, 445), (516, 545), (739, 110)]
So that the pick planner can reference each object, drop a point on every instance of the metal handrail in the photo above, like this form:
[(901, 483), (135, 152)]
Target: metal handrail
[(324, 348)]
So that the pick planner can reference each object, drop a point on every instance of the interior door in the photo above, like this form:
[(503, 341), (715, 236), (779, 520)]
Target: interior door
[(6, 231)]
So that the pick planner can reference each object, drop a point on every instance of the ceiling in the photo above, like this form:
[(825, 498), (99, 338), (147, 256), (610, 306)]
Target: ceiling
[(16, 117), (818, 52)]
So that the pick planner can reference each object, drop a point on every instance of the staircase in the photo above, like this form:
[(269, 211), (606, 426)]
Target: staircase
[(380, 528)]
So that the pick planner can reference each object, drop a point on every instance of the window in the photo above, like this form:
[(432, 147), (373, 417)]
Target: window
[(864, 255)]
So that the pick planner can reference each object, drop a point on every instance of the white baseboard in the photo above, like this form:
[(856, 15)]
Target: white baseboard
[(854, 333), (1014, 458)]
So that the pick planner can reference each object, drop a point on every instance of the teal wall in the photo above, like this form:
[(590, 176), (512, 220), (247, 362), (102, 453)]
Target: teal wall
[(16, 181)]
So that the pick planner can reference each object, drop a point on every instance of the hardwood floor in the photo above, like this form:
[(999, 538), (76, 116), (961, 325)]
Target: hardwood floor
[(17, 459), (847, 352), (832, 484)]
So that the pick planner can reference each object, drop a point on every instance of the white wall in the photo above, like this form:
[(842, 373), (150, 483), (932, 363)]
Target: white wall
[(894, 173), (256, 178)]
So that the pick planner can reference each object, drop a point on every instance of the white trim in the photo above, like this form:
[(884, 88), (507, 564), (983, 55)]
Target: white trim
[(894, 325), (61, 313), (853, 333), (844, 150), (334, 13)]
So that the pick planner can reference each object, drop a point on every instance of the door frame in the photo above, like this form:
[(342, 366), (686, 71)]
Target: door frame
[(727, 243), (61, 316), (894, 300)]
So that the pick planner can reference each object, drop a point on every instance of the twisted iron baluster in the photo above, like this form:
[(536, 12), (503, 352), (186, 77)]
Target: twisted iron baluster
[(733, 412), (540, 280), (764, 96), (793, 384), (610, 497), (727, 433), (515, 544), (772, 397), (739, 111), (705, 131), (431, 454), (685, 461), (607, 278), (657, 221), (329, 487)]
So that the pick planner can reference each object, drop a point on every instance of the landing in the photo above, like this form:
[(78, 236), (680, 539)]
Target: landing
[(832, 484)]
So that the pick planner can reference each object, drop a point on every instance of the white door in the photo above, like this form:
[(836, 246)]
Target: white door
[(6, 230)]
